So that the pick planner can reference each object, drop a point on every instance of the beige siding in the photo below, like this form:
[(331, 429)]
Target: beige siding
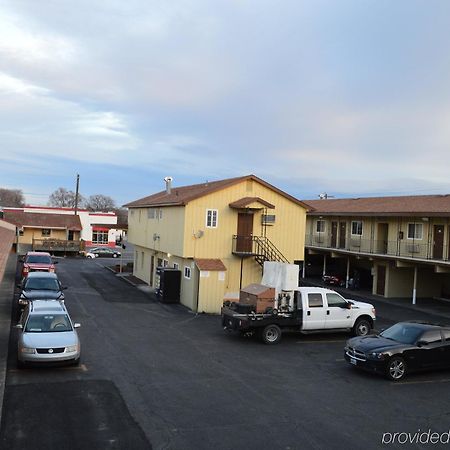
[(36, 233), (211, 287)]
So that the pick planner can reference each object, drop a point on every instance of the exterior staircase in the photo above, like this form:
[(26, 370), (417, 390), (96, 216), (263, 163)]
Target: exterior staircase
[(259, 247)]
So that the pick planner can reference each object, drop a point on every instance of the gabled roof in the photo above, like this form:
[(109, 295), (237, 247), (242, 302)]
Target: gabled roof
[(246, 201), (43, 220), (413, 205), (180, 196)]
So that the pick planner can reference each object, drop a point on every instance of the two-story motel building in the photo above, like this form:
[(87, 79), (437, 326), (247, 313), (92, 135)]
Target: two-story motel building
[(395, 246)]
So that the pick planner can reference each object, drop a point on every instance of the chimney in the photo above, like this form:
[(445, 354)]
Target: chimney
[(168, 181)]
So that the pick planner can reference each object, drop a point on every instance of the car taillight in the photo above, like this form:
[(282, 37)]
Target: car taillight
[(374, 311), (26, 269)]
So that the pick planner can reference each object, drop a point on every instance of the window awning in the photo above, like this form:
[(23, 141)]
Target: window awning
[(210, 264), (251, 203)]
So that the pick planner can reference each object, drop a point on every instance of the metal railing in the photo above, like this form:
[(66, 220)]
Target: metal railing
[(56, 245), (260, 247), (408, 248)]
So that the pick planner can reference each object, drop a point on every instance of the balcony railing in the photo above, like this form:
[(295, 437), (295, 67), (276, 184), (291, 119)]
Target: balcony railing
[(56, 245), (403, 248), (260, 247)]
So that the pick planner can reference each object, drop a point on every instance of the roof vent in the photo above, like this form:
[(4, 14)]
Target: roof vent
[(168, 181)]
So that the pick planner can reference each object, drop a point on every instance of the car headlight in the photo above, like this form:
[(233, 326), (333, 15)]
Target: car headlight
[(71, 348), (28, 350), (376, 355)]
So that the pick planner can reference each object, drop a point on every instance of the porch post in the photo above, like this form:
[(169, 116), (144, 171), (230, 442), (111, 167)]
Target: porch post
[(414, 286), (324, 272), (348, 273)]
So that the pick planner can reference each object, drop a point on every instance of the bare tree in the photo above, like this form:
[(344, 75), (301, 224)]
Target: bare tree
[(99, 202), (64, 199), (11, 197)]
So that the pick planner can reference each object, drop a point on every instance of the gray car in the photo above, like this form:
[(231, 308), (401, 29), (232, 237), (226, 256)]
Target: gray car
[(47, 334), (40, 285)]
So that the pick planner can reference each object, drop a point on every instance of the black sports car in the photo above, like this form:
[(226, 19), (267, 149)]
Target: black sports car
[(405, 347), (104, 252)]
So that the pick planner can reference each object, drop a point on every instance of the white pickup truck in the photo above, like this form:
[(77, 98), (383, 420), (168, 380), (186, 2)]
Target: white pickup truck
[(306, 310)]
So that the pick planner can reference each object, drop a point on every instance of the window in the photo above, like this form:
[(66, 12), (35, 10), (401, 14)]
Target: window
[(165, 263), (187, 272), (320, 226), (336, 301), (211, 218), (315, 300), (99, 237), (70, 235), (268, 219), (431, 337), (160, 214), (176, 266), (357, 228), (46, 232), (151, 213), (142, 260), (415, 231)]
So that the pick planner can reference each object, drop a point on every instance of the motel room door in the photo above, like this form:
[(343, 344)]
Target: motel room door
[(438, 242), (244, 233)]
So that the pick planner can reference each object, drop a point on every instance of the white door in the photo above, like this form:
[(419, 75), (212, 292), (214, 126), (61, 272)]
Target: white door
[(314, 313), (338, 315)]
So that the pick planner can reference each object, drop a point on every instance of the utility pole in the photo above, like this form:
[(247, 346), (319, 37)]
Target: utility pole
[(76, 194)]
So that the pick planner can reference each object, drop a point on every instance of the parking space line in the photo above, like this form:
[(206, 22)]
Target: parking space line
[(444, 380), (340, 360), (81, 368), (320, 342)]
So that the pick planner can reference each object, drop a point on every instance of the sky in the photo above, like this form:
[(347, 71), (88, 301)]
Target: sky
[(351, 98)]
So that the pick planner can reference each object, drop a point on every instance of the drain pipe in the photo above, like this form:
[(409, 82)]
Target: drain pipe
[(348, 273)]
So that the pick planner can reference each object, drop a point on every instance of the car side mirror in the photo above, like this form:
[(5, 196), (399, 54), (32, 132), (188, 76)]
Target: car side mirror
[(421, 343), (55, 262), (64, 288), (76, 325), (348, 305), (19, 326)]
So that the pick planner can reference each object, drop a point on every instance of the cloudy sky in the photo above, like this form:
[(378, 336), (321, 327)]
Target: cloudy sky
[(351, 98)]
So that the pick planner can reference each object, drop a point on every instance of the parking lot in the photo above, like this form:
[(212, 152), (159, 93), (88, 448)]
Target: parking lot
[(158, 376)]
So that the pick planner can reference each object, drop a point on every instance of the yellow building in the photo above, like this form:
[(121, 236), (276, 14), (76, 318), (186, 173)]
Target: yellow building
[(392, 246), (56, 233), (218, 234)]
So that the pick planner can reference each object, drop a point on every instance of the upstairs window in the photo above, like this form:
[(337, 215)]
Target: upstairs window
[(211, 218), (151, 213), (320, 226), (357, 228), (415, 231), (46, 232), (187, 272)]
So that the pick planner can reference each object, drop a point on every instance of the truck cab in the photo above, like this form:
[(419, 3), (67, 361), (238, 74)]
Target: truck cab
[(325, 309)]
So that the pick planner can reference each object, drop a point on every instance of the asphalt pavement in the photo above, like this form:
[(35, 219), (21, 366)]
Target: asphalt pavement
[(156, 375)]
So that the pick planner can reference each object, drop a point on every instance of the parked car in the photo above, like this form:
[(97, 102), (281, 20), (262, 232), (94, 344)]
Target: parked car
[(40, 285), (37, 262), (47, 334), (104, 252), (90, 255), (403, 348), (333, 280)]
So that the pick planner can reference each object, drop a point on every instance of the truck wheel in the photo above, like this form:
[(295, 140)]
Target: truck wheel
[(396, 369), (362, 327), (271, 334)]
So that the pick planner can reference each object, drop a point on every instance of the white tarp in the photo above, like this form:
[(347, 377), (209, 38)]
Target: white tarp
[(281, 276)]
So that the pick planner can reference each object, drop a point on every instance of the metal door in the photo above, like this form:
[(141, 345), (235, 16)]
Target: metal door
[(342, 234), (244, 233), (334, 228), (381, 279), (438, 242)]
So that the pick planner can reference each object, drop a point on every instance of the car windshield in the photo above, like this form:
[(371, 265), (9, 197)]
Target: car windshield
[(403, 332), (39, 259), (48, 323), (46, 284)]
